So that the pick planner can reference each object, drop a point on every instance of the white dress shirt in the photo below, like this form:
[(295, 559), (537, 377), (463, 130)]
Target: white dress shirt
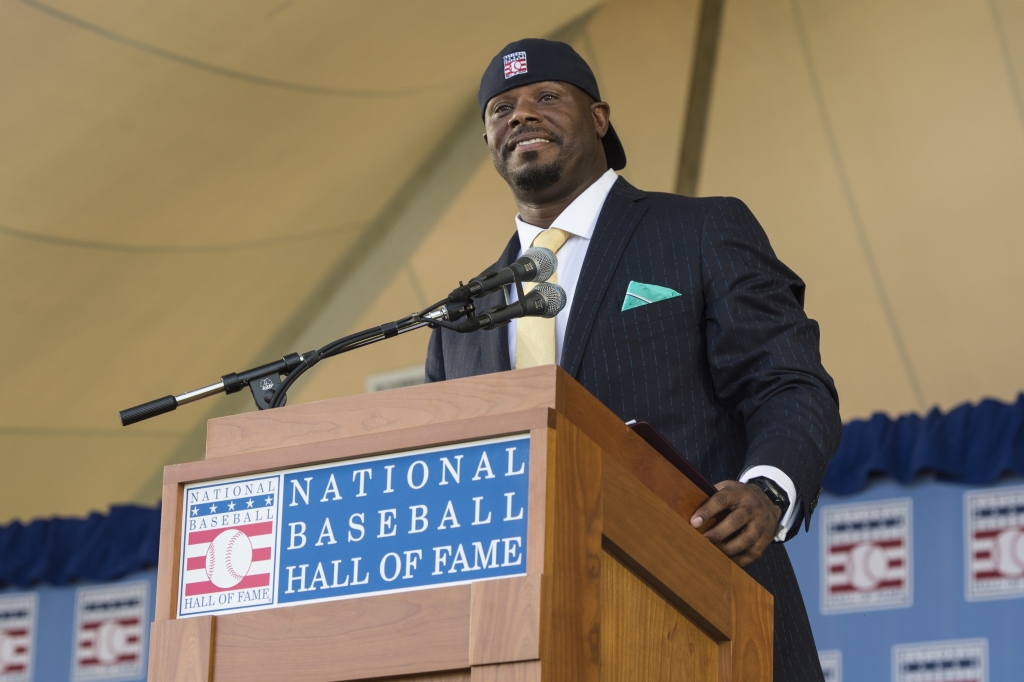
[(579, 219)]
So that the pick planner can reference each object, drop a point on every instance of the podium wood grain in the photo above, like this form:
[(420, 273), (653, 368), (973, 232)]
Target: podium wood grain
[(383, 412), (458, 676), (181, 651), (618, 586), (646, 534), (505, 620), (529, 671), (644, 638), (353, 639)]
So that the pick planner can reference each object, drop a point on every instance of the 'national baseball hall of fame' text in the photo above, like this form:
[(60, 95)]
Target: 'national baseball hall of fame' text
[(410, 520)]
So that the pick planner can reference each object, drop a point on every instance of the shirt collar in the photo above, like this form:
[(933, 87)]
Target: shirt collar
[(580, 217)]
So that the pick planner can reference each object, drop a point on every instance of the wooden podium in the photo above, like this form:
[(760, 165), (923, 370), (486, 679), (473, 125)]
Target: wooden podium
[(616, 584)]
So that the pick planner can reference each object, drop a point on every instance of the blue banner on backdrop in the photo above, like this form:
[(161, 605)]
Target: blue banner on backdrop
[(87, 632), (916, 583)]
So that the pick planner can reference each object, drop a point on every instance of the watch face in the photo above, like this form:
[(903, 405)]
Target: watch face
[(774, 494)]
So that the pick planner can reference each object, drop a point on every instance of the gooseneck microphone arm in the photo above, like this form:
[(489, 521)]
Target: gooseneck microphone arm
[(229, 383), (437, 315), (265, 382)]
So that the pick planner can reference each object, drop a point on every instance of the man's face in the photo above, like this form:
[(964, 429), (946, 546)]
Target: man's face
[(544, 133)]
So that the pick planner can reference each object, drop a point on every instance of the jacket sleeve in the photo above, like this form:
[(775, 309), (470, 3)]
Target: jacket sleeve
[(435, 358), (764, 351)]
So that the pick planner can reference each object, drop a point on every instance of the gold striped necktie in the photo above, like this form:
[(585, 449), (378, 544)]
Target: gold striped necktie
[(535, 336)]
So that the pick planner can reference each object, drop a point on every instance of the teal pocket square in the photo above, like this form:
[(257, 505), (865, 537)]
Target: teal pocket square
[(639, 294)]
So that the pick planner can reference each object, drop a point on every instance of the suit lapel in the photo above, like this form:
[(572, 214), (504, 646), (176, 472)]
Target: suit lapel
[(619, 217)]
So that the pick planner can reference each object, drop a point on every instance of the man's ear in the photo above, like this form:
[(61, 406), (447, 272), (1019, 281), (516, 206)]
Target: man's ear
[(486, 141), (602, 114)]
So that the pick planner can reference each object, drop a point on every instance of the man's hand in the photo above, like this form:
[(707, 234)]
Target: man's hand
[(749, 526)]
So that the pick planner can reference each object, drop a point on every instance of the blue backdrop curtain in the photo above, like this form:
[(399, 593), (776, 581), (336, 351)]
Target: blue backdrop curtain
[(102, 547), (974, 444)]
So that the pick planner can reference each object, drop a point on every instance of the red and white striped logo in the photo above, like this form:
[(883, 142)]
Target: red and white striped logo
[(515, 64), (228, 545), (994, 543), (110, 625), (233, 558), (17, 636), (866, 556)]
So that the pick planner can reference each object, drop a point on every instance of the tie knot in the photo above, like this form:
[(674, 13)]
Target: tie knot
[(551, 238)]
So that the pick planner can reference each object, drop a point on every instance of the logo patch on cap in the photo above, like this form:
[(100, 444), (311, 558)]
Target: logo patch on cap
[(515, 64)]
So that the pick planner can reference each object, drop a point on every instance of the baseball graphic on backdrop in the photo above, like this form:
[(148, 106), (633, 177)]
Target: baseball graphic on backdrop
[(114, 640), (869, 565), (1009, 552), (228, 558)]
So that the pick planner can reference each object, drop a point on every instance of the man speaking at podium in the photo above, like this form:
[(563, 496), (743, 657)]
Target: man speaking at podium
[(678, 314)]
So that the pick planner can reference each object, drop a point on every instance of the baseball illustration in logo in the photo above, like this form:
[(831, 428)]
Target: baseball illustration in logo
[(994, 543), (109, 632), (866, 556), (515, 64), (229, 558), (228, 545), (17, 636), (964, 660)]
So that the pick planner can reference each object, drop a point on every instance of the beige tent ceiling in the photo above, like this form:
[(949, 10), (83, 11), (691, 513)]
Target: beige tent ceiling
[(191, 188)]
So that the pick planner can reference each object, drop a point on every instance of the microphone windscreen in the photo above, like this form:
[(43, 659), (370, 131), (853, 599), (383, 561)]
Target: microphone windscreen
[(545, 261), (554, 298)]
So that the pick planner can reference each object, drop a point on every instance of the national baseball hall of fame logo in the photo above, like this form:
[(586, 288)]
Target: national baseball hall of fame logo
[(994, 543), (110, 632), (228, 544), (515, 64), (866, 556), (400, 521), (964, 660), (17, 636)]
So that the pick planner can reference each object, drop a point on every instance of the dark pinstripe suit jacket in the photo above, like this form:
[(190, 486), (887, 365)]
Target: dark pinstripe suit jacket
[(729, 371)]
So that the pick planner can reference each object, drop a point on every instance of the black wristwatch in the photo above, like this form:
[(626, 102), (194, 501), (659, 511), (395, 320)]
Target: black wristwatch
[(774, 492)]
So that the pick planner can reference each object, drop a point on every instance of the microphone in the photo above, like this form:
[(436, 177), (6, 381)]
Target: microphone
[(546, 300), (537, 264)]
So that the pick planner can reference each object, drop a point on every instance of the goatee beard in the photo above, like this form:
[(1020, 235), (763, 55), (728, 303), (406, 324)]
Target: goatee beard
[(535, 178)]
